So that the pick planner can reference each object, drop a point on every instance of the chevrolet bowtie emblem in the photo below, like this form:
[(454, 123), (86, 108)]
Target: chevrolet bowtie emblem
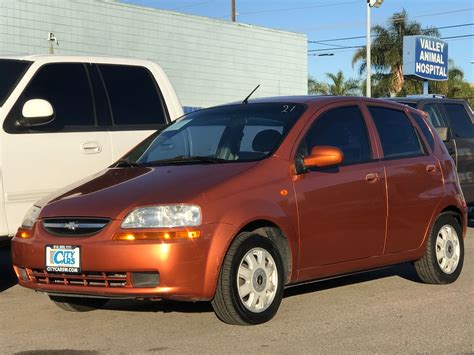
[(71, 226)]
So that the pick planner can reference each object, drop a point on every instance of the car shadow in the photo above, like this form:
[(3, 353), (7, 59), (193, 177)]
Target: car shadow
[(7, 275), (405, 271), (163, 306)]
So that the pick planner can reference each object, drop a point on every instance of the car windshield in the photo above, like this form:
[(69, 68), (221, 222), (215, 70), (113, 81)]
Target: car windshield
[(233, 133), (11, 71)]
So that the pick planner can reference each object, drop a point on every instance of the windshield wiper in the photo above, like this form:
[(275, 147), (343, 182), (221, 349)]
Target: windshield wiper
[(187, 159), (126, 163)]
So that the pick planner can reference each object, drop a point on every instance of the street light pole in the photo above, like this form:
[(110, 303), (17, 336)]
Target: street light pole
[(370, 3)]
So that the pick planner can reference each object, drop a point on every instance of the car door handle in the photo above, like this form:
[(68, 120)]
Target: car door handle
[(91, 148), (372, 177), (431, 168)]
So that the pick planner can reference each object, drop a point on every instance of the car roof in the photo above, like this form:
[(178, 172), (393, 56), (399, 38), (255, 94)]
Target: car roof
[(421, 99), (315, 99), (53, 58)]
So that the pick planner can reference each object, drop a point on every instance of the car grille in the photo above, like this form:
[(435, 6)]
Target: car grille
[(97, 279), (71, 227)]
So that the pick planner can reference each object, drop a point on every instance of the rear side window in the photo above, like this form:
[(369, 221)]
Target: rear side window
[(434, 115), (424, 128), (133, 96), (397, 135), (343, 128), (460, 120)]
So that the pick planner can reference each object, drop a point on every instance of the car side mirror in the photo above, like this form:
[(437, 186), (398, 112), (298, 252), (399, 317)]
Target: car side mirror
[(443, 133), (322, 156), (36, 112)]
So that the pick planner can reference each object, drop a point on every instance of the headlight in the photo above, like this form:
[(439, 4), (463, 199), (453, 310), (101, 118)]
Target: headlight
[(31, 216), (165, 216)]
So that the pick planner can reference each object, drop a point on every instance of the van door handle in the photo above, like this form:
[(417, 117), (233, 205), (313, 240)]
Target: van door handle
[(91, 148), (431, 168), (372, 177)]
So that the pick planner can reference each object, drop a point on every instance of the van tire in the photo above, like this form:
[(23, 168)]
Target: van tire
[(78, 304), (228, 304), (429, 268)]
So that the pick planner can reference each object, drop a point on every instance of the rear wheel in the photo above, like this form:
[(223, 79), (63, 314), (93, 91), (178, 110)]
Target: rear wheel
[(443, 261), (78, 304), (250, 286)]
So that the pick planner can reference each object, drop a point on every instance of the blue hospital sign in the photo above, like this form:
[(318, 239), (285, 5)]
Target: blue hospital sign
[(425, 57)]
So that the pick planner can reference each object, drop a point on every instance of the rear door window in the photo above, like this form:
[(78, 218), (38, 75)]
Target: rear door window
[(397, 135), (434, 115), (460, 120), (343, 128), (133, 95)]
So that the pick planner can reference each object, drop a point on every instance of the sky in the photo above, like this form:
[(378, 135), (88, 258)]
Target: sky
[(321, 20)]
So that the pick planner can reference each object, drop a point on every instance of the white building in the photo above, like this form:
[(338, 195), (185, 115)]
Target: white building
[(208, 61)]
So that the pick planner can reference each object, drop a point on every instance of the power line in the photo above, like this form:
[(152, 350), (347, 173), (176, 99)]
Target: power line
[(328, 4), (352, 24), (359, 37), (357, 47)]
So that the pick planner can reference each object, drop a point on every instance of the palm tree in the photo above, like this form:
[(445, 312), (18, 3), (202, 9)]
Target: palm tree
[(453, 86), (387, 49), (339, 85)]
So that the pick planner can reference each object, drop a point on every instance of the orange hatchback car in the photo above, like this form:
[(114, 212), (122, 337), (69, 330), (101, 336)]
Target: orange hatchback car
[(233, 203)]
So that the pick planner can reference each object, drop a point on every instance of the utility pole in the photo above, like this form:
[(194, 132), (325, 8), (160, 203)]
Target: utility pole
[(370, 3), (233, 10)]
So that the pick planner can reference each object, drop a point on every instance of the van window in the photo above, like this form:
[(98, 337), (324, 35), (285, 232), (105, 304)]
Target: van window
[(424, 128), (133, 96), (66, 87), (460, 120), (11, 71), (397, 134), (434, 115), (343, 128)]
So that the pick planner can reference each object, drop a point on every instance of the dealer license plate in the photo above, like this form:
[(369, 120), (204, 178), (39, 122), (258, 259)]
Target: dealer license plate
[(63, 258)]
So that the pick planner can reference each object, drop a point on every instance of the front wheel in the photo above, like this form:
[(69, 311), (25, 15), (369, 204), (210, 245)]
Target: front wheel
[(443, 261), (250, 286), (78, 304)]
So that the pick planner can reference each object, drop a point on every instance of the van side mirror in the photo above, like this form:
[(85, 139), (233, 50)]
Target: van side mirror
[(322, 156), (443, 133), (36, 112)]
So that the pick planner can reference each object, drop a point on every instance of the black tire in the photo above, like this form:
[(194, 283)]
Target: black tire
[(227, 303), (428, 268), (78, 304)]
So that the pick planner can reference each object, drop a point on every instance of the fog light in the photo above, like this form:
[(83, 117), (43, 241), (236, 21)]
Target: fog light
[(145, 279), (157, 235), (23, 275)]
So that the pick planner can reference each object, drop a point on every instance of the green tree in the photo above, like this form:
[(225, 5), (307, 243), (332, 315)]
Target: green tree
[(387, 52), (451, 87), (338, 85)]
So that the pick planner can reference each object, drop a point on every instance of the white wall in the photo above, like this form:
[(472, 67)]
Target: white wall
[(208, 61)]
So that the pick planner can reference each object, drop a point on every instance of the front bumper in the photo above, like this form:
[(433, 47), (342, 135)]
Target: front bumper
[(188, 269)]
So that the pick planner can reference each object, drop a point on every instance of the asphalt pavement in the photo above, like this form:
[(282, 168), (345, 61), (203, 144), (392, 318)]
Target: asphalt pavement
[(383, 311)]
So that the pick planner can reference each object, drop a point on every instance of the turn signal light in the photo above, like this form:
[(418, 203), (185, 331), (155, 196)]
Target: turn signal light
[(24, 234), (157, 235)]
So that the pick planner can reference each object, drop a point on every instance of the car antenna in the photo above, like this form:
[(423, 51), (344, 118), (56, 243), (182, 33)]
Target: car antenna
[(246, 100)]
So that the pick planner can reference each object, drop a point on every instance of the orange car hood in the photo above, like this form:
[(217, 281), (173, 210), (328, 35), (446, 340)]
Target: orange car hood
[(112, 193)]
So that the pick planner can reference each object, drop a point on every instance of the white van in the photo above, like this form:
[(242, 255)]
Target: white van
[(66, 117)]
